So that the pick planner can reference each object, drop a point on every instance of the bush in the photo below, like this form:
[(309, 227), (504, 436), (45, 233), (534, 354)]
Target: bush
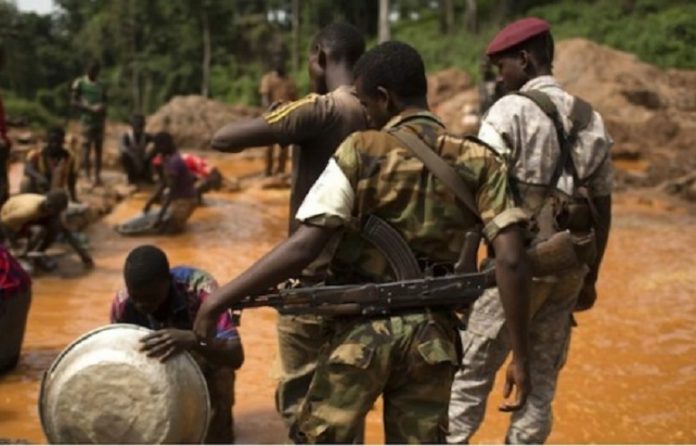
[(33, 113)]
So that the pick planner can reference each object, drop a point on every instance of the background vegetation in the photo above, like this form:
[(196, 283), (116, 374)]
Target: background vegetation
[(152, 50)]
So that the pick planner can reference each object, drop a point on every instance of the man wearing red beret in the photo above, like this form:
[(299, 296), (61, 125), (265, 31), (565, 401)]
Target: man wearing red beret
[(557, 152)]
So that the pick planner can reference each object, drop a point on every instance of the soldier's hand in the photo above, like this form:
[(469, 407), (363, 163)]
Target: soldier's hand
[(205, 323), (517, 377), (163, 344), (587, 297)]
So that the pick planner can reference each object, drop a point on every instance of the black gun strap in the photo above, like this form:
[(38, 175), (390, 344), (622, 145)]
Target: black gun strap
[(437, 166), (580, 117)]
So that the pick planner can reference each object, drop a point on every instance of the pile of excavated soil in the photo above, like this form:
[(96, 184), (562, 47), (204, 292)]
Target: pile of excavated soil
[(453, 96), (650, 112), (193, 120)]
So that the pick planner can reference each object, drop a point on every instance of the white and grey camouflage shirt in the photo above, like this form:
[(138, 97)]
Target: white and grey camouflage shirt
[(526, 137)]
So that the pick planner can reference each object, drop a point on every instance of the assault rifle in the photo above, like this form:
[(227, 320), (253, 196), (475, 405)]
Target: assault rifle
[(413, 288), (410, 290)]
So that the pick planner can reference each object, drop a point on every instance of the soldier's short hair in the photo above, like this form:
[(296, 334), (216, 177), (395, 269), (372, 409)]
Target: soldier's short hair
[(393, 65), (340, 41)]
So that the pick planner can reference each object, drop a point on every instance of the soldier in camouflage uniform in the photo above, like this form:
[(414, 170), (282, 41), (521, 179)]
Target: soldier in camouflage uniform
[(408, 357), (525, 136)]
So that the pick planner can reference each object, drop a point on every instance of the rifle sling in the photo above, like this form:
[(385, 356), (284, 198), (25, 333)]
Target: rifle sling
[(437, 166), (580, 117)]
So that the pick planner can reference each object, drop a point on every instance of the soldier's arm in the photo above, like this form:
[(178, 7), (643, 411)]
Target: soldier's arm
[(514, 278), (284, 261), (588, 294), (602, 227), (513, 275)]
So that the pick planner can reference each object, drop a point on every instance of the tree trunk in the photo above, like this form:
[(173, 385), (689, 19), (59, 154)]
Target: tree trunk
[(446, 16), (471, 16), (295, 36), (136, 93), (206, 52), (384, 27)]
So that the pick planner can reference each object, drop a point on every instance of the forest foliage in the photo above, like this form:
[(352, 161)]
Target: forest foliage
[(152, 50)]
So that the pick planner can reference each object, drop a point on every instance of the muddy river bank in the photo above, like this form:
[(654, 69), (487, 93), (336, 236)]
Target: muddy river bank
[(630, 377)]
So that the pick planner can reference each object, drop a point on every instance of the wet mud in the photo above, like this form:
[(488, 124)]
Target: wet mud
[(630, 377)]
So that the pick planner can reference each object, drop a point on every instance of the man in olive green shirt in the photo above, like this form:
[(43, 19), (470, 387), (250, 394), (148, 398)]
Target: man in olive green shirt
[(89, 97)]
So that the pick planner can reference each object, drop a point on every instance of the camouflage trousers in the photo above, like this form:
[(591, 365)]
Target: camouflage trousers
[(485, 345), (409, 359), (300, 339)]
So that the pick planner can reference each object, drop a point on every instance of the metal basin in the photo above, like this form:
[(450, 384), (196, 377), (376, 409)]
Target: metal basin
[(101, 389)]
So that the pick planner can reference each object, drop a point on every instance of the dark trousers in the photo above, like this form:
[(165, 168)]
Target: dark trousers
[(92, 137), (14, 310), (138, 171)]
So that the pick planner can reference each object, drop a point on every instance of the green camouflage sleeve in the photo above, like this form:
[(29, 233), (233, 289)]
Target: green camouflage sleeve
[(482, 167), (348, 158)]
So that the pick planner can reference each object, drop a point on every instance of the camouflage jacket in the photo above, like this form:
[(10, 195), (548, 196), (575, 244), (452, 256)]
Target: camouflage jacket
[(373, 173)]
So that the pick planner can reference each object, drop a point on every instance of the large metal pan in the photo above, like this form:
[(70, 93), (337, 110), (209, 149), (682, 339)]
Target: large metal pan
[(101, 389)]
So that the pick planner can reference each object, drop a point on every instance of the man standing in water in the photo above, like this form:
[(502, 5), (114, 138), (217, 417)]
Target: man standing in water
[(407, 356), (557, 151), (167, 300), (317, 124), (275, 88), (89, 98)]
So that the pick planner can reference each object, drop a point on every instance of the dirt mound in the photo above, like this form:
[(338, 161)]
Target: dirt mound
[(650, 113), (193, 120), (453, 96)]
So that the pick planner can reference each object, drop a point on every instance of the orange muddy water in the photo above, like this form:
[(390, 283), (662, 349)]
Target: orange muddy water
[(630, 378)]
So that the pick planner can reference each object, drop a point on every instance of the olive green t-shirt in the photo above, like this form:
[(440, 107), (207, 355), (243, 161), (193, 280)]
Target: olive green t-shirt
[(91, 93)]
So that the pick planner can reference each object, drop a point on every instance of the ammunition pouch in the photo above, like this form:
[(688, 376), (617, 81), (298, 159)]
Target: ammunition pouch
[(560, 252)]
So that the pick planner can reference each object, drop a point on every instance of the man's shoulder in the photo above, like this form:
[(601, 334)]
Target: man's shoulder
[(288, 109)]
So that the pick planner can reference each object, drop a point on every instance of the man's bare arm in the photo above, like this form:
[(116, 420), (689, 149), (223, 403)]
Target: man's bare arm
[(588, 294), (284, 261), (513, 276), (238, 136)]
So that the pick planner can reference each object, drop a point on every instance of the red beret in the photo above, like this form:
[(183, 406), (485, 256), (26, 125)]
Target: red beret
[(516, 33)]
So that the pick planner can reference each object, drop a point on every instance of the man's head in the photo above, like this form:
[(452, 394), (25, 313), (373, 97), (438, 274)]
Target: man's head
[(164, 143), (147, 278), (338, 44), (522, 51), (389, 78), (55, 139), (137, 122), (93, 69), (56, 201), (278, 63)]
